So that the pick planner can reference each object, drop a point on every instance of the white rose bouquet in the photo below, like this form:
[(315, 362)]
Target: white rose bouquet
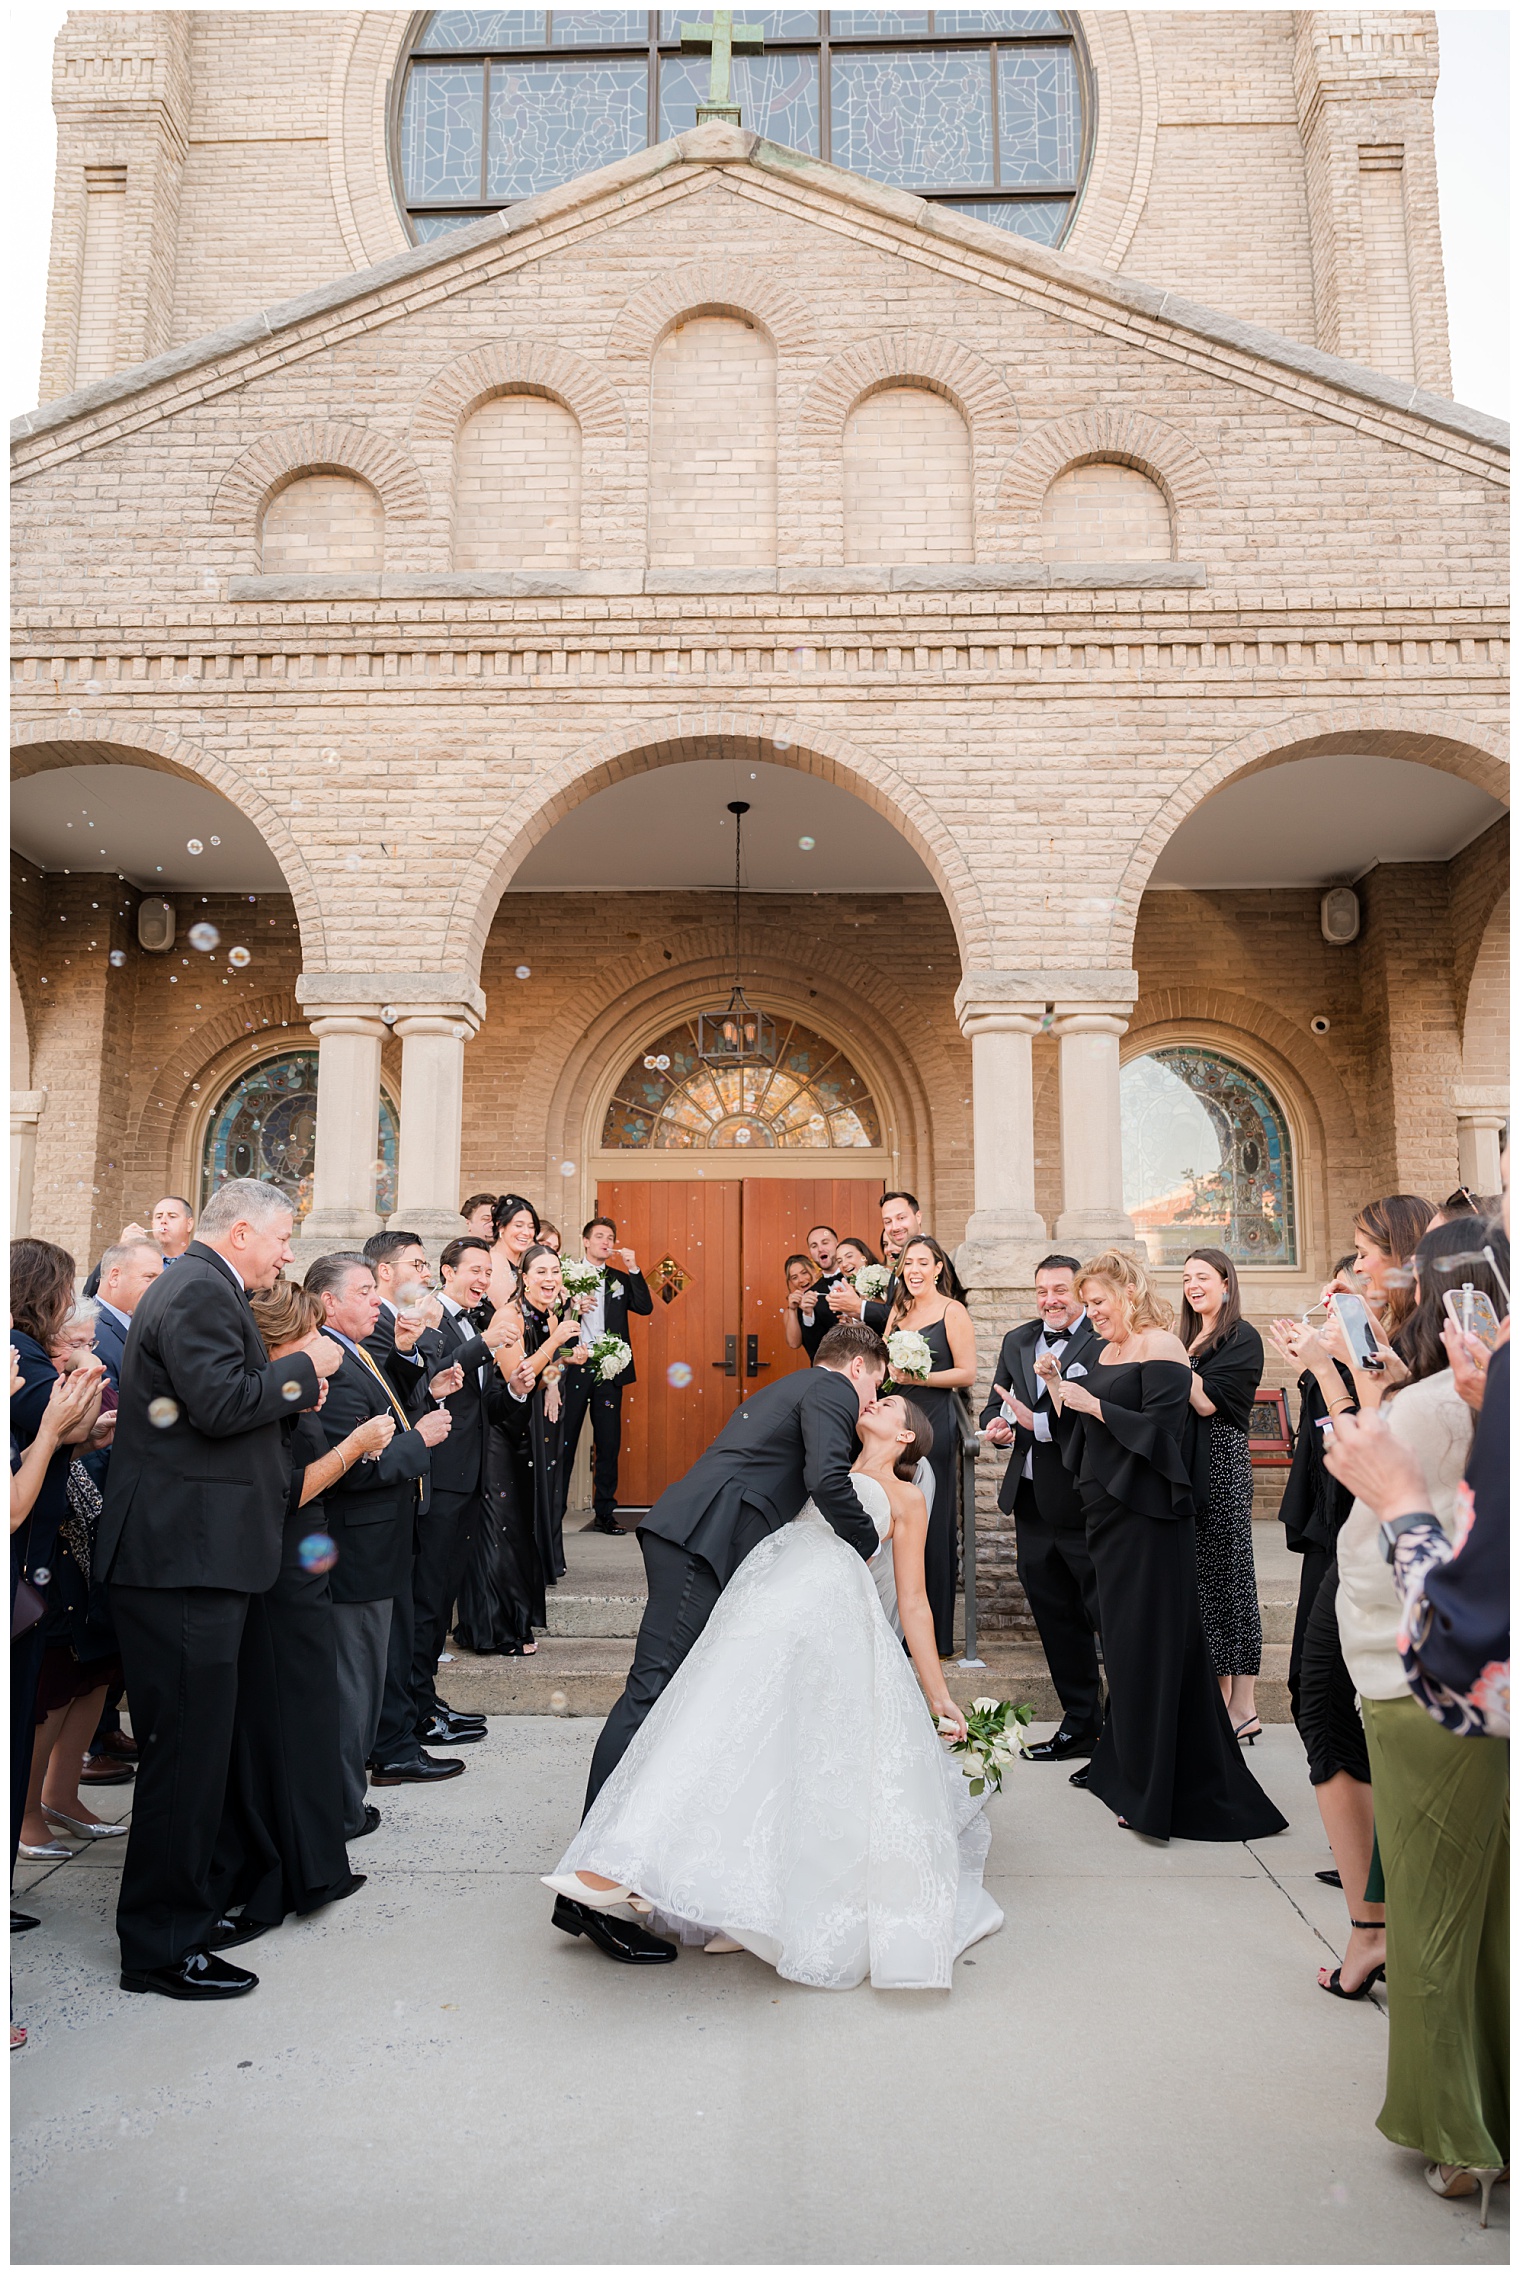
[(609, 1356), (581, 1276), (909, 1356), (994, 1738), (871, 1283)]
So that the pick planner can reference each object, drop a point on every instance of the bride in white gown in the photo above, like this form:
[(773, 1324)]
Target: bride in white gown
[(788, 1792)]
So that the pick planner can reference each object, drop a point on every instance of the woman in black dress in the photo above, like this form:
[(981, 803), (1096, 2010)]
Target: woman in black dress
[(280, 1847), (1227, 1359), (1168, 1763), (549, 1342), (924, 1306)]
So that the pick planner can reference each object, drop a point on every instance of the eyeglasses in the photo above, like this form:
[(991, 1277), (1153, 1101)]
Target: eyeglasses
[(1464, 1202)]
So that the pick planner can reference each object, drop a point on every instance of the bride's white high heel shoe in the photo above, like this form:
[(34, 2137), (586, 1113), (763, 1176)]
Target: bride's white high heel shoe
[(722, 1943), (595, 1899)]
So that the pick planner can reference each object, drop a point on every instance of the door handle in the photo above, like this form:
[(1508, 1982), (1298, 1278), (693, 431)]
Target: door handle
[(729, 1363), (752, 1359)]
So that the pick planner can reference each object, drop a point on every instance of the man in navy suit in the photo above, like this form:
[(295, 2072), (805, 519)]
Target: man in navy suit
[(123, 1277)]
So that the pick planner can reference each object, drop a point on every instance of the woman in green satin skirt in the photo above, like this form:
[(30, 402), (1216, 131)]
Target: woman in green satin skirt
[(1442, 1807)]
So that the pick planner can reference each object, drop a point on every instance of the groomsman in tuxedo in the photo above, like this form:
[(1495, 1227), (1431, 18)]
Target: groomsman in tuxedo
[(1041, 1495), (822, 1241), (192, 1527), (405, 1350), (623, 1292), (126, 1273)]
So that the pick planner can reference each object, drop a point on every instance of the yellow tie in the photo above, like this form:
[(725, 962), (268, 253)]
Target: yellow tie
[(400, 1410)]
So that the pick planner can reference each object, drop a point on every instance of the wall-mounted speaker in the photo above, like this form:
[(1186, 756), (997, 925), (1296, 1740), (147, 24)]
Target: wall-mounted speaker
[(155, 926), (1340, 916)]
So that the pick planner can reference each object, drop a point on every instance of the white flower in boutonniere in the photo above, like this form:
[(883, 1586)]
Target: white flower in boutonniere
[(618, 1288), (872, 1282), (581, 1276), (610, 1355), (909, 1355)]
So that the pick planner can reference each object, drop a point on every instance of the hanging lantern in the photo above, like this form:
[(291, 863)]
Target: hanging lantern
[(738, 1035)]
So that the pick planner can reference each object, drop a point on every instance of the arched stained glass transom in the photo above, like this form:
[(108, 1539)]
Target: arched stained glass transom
[(811, 1098), (982, 109), (1208, 1160), (265, 1126)]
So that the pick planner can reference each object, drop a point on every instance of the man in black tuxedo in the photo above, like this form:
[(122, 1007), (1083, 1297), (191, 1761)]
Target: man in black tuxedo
[(371, 1514), (822, 1243), (123, 1277), (901, 1221), (472, 1392), (400, 1345), (624, 1290), (1040, 1493), (793, 1440), (191, 1528)]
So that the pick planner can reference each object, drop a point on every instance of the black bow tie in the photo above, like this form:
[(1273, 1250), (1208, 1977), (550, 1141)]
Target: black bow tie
[(1049, 1335)]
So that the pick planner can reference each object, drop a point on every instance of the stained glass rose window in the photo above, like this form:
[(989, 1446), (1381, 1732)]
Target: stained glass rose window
[(265, 1126), (810, 1098), (1208, 1159)]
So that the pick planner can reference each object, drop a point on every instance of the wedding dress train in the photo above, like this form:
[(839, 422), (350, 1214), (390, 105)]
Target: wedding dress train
[(789, 1788)]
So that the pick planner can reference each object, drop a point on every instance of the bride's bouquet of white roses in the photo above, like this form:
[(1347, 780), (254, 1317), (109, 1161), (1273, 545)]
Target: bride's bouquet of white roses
[(994, 1738), (609, 1356), (871, 1283), (909, 1355), (581, 1276)]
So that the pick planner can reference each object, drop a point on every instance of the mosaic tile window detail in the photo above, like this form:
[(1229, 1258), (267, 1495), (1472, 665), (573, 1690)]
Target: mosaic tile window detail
[(266, 1126), (499, 104), (1208, 1160), (812, 1099)]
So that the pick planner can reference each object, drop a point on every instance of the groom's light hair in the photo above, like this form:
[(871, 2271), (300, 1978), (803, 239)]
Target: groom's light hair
[(851, 1339)]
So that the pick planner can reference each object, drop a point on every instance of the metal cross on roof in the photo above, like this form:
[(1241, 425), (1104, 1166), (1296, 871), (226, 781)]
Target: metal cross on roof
[(720, 37)]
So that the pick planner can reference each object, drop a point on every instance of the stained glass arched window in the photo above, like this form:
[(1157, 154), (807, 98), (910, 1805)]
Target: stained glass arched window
[(266, 1126), (810, 1098), (1208, 1161)]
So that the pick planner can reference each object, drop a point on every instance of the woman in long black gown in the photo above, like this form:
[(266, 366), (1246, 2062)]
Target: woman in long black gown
[(548, 1341), (1168, 1762), (281, 1845), (925, 1306)]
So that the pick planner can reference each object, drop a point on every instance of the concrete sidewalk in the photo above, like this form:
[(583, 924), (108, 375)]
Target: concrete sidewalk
[(1139, 2069)]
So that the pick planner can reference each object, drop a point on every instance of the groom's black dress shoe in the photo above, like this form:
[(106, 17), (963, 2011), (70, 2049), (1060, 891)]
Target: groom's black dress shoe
[(229, 1931), (620, 1939), (198, 1975), (449, 1730), (1079, 1777), (427, 1769), (1065, 1746)]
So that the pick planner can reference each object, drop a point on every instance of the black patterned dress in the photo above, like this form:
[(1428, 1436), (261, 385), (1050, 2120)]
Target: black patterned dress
[(1231, 1374)]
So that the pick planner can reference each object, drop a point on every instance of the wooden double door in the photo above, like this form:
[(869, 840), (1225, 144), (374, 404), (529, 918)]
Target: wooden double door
[(713, 1250)]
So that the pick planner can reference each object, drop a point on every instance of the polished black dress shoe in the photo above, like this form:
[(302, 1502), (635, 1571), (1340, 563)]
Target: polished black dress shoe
[(456, 1713), (198, 1975), (371, 1824), (623, 1940), (1332, 1878), (427, 1769), (451, 1730), (230, 1931), (1079, 1778), (1065, 1746), (21, 1921), (603, 1524)]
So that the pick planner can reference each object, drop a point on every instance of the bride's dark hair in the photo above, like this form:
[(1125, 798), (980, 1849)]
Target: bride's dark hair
[(923, 1440)]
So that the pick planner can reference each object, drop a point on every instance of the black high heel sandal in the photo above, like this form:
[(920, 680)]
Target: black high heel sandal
[(1378, 1975)]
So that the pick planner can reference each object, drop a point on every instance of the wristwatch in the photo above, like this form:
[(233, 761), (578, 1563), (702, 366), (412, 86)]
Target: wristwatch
[(1389, 1533)]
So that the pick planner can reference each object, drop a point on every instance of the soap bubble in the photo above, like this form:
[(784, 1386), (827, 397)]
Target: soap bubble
[(118, 957), (741, 1137), (162, 1413), (663, 1062), (558, 1703), (567, 1169), (42, 1573), (205, 937), (239, 959), (649, 1062), (318, 1552), (353, 861), (194, 845), (216, 841), (678, 1374), (807, 843), (524, 971), (290, 1391)]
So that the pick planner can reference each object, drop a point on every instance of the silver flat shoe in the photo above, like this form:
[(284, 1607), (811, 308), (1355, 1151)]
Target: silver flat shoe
[(53, 1852), (85, 1830)]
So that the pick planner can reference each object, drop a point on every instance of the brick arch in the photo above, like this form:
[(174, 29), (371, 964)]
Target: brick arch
[(527, 367), (1121, 437), (720, 288), (1483, 1005), (924, 359), (710, 734), (318, 447), (37, 748), (219, 1049), (1441, 739)]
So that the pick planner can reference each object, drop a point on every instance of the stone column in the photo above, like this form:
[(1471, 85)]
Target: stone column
[(1481, 1114), (342, 1213), (433, 1037), (1005, 1230), (1092, 1165), (26, 1112)]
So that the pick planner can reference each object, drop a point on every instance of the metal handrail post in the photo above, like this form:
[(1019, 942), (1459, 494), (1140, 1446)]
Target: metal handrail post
[(968, 1438)]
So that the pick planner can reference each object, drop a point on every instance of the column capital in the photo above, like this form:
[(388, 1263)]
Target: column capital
[(27, 1106), (459, 1020), (349, 1020), (988, 995), (373, 992), (1086, 1022), (1487, 1101)]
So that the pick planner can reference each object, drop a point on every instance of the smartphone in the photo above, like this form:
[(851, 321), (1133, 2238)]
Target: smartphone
[(1356, 1324), (1469, 1309)]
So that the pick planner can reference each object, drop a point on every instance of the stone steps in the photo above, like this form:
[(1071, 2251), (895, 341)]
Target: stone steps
[(582, 1662)]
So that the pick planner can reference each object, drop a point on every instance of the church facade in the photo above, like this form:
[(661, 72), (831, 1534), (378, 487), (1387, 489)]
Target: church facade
[(1064, 496)]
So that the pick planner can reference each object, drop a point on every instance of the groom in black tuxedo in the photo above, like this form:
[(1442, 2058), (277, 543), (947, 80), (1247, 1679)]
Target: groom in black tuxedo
[(793, 1441), (1041, 1496)]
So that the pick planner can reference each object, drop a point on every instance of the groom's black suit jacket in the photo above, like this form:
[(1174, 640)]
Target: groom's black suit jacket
[(794, 1439), (1055, 1489)]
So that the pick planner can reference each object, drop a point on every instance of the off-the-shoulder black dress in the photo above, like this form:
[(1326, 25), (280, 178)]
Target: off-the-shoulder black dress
[(1168, 1761)]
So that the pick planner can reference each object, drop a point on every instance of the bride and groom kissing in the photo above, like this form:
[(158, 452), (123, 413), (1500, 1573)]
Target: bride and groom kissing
[(771, 1779)]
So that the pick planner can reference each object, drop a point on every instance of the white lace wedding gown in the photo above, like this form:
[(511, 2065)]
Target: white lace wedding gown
[(789, 1788)]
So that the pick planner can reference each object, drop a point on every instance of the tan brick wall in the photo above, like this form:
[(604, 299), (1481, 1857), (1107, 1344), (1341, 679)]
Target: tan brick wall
[(1390, 315), (712, 447), (1104, 512), (323, 525), (517, 497), (907, 479)]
